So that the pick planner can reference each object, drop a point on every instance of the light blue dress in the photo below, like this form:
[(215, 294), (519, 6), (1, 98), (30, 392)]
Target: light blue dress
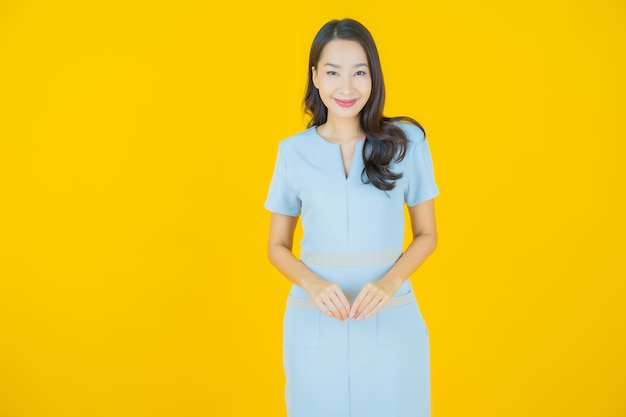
[(353, 234)]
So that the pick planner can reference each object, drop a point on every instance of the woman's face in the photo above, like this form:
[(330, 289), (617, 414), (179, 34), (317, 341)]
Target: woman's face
[(343, 78)]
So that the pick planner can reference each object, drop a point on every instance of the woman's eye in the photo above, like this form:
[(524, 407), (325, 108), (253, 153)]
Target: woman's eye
[(360, 73), (331, 72)]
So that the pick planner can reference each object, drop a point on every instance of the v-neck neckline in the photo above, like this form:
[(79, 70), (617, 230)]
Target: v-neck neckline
[(357, 151)]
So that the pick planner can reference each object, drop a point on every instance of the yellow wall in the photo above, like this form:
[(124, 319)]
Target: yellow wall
[(136, 145)]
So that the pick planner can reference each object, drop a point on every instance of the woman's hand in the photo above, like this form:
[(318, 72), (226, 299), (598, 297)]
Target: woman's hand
[(373, 297), (328, 297)]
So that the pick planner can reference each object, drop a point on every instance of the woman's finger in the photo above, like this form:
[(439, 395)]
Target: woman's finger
[(355, 305), (368, 310), (331, 300), (336, 307), (358, 302), (367, 300), (376, 309), (342, 304), (331, 307), (344, 300), (325, 309)]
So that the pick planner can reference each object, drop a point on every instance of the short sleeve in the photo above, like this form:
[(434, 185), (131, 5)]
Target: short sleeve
[(281, 197), (421, 184)]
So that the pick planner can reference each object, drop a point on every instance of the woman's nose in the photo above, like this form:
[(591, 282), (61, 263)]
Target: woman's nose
[(346, 85)]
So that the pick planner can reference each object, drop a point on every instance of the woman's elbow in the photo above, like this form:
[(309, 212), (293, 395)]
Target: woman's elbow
[(430, 240), (434, 241), (271, 253), (274, 252)]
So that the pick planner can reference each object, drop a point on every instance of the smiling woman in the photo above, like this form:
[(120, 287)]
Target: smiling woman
[(355, 343), (343, 81)]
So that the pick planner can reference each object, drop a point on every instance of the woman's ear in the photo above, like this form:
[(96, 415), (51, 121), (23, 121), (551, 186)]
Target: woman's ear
[(314, 77)]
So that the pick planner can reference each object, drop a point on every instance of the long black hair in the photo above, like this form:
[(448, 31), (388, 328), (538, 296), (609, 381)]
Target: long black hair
[(385, 141)]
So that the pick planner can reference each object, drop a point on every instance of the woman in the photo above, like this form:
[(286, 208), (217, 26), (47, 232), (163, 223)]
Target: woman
[(355, 343)]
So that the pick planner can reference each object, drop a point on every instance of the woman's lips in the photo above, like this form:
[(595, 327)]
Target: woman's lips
[(345, 103)]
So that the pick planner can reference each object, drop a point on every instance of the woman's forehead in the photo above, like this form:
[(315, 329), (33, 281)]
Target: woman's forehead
[(343, 52)]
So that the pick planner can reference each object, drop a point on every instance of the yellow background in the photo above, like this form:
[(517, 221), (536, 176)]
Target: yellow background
[(137, 141)]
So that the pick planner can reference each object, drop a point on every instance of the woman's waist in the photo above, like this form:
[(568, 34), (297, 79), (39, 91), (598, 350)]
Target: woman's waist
[(379, 257), (350, 270)]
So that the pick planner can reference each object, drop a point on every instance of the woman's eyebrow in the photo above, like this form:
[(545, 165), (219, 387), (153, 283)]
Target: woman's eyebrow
[(360, 64)]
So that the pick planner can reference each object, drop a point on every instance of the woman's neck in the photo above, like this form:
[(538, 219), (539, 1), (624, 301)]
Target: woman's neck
[(342, 130)]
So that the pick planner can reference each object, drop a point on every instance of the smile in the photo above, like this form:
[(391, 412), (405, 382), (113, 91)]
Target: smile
[(345, 103)]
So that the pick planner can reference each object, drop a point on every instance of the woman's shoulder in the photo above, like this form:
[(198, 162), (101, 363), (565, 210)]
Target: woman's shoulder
[(414, 133), (298, 140)]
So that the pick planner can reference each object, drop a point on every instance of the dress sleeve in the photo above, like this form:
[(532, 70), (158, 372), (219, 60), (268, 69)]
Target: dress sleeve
[(421, 184), (281, 197)]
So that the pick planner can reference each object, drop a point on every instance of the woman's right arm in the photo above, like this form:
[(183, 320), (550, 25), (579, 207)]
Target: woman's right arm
[(327, 296)]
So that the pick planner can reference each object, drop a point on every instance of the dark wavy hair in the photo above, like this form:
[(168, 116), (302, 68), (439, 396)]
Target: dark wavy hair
[(385, 141)]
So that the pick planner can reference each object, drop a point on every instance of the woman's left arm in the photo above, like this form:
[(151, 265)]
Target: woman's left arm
[(375, 295)]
